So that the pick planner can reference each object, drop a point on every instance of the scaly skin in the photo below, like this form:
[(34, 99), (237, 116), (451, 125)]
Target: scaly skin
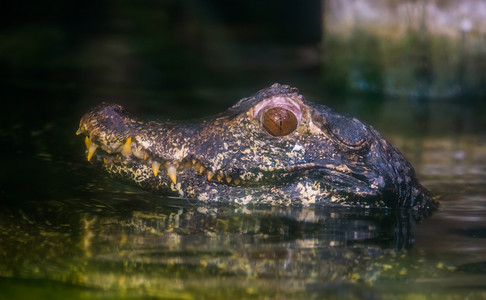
[(232, 157)]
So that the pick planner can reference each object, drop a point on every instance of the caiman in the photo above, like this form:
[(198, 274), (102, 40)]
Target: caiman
[(274, 147)]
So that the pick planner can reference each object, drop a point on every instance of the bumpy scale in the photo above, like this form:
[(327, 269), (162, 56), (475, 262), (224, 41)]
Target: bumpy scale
[(273, 147)]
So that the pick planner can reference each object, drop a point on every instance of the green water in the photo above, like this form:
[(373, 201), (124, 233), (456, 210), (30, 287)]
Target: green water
[(67, 231)]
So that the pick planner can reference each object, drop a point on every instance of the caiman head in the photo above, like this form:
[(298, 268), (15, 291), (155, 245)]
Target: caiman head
[(273, 147)]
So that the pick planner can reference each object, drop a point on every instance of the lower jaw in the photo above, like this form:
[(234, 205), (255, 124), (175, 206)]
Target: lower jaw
[(194, 186)]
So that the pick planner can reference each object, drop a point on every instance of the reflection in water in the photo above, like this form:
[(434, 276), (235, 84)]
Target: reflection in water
[(79, 232), (157, 245), (82, 235)]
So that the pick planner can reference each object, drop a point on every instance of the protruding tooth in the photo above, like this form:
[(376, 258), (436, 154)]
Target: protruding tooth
[(91, 150), (228, 179), (145, 156), (127, 148), (210, 175), (194, 161), (155, 167), (105, 161), (87, 142), (237, 181), (91, 147), (219, 176), (172, 172), (79, 131), (201, 170)]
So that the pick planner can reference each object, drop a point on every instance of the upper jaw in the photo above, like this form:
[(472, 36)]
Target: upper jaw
[(115, 137), (129, 150), (339, 178)]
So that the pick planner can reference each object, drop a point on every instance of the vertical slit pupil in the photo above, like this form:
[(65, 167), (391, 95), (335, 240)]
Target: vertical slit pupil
[(279, 121)]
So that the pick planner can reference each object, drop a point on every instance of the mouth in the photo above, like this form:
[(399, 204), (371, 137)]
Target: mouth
[(132, 153), (135, 152), (144, 165), (111, 139)]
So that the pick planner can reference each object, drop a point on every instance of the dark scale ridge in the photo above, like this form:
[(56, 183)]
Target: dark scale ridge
[(273, 147)]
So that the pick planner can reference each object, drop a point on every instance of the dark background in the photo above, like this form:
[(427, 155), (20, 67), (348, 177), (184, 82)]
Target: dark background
[(190, 59), (162, 59), (152, 50)]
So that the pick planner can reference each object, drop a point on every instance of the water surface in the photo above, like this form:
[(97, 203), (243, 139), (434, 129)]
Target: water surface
[(68, 230)]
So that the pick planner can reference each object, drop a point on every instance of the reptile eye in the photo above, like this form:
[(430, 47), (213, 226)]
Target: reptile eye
[(279, 121)]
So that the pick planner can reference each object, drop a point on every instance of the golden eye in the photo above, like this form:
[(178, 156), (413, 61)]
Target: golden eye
[(279, 121)]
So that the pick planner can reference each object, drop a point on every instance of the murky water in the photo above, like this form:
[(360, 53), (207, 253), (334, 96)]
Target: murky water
[(67, 230)]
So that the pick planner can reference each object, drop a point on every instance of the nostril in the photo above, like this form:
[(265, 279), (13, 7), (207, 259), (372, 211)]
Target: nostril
[(109, 117)]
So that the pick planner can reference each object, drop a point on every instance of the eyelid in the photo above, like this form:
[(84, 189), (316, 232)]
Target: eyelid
[(278, 101)]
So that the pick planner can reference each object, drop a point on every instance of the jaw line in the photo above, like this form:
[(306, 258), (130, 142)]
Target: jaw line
[(325, 174), (211, 177)]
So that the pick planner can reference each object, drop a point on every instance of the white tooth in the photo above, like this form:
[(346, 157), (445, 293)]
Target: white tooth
[(155, 167), (172, 172)]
